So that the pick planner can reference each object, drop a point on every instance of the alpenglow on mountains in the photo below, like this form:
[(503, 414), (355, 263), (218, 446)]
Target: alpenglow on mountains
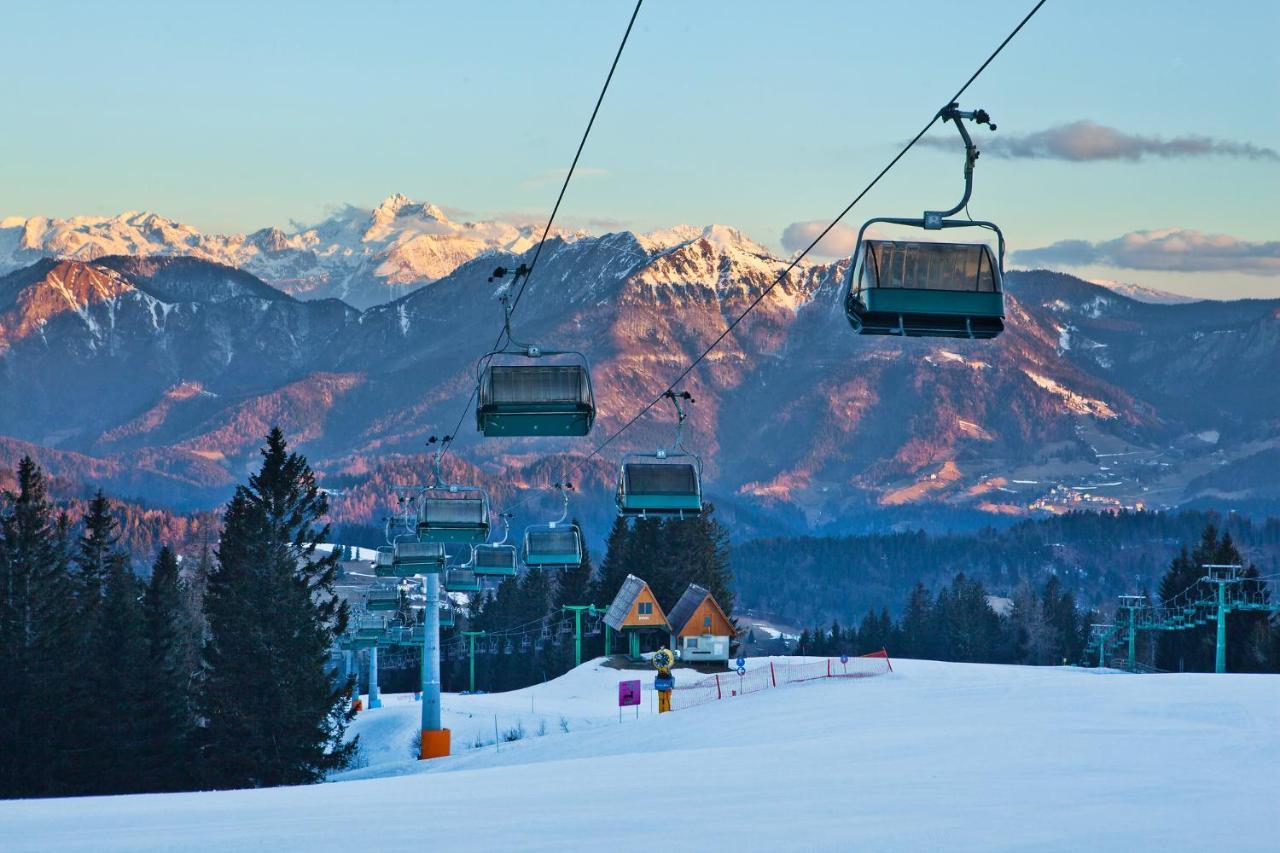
[(361, 256), (157, 377)]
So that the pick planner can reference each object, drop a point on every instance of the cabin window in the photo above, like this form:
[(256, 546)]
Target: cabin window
[(706, 621), (646, 608), (690, 642)]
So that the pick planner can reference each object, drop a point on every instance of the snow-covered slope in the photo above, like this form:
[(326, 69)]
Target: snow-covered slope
[(933, 757)]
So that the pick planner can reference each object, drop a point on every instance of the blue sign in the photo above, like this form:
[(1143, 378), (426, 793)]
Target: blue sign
[(742, 662), (742, 670), (664, 682), (844, 658)]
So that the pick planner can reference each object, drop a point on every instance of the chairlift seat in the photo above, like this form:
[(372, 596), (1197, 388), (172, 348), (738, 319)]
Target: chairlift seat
[(552, 546), (659, 488), (535, 400), (382, 599), (922, 289), (453, 519), (495, 560), (384, 562), (416, 558), (461, 580), (370, 627), (446, 616)]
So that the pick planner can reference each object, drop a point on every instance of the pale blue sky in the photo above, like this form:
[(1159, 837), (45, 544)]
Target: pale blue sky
[(233, 116)]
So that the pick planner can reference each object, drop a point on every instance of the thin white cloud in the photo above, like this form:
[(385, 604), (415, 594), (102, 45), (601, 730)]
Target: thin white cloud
[(1083, 141), (1167, 249), (837, 244), (556, 177)]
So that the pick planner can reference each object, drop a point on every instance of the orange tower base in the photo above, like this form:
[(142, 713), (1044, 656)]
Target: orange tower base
[(435, 744)]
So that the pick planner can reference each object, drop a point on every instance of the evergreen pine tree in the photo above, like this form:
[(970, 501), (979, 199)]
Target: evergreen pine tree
[(1033, 638), (108, 678), (96, 549), (915, 624), (974, 626), (1060, 610), (166, 759), (36, 736), (273, 712), (616, 564), (118, 650)]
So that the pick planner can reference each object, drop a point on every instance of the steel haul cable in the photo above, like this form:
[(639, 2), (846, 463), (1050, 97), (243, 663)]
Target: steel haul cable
[(825, 231), (795, 261), (554, 210)]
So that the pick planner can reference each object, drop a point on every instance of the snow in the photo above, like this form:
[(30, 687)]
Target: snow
[(773, 633), (368, 555), (933, 756), (1141, 293), (1077, 403)]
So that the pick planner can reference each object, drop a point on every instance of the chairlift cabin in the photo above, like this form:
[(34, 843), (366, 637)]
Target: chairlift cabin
[(461, 580), (453, 514), (556, 544), (658, 485), (665, 483), (418, 558), (524, 390), (370, 627), (382, 599), (495, 560), (446, 615), (927, 289), (384, 562)]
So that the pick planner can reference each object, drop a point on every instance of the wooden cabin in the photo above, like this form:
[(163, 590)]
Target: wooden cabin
[(633, 611), (700, 631)]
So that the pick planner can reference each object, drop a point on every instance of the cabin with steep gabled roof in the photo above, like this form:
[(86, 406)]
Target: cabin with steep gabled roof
[(634, 610), (700, 630)]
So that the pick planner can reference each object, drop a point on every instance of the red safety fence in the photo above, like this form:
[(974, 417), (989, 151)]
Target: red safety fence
[(776, 672)]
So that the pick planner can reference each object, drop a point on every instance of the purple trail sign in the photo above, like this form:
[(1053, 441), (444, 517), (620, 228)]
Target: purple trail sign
[(628, 693)]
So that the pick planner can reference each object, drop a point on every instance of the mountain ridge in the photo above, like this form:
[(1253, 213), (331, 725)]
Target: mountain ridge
[(175, 365)]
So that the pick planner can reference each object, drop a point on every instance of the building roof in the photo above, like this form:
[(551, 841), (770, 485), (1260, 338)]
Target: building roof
[(688, 605), (616, 616)]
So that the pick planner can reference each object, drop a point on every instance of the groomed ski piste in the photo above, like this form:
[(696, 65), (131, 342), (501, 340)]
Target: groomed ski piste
[(934, 756)]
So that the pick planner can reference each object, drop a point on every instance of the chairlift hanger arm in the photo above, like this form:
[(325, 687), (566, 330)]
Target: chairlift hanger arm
[(953, 113)]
